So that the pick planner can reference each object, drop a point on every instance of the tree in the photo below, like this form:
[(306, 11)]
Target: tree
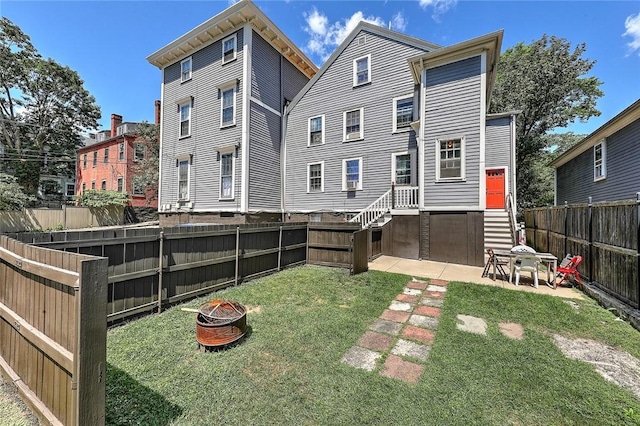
[(547, 81), (43, 109), (146, 171), (11, 195)]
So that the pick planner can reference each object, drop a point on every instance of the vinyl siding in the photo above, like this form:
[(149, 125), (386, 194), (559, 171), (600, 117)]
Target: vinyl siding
[(498, 147), (265, 73), (575, 178), (264, 160), (294, 81), (453, 110), (332, 95), (206, 136)]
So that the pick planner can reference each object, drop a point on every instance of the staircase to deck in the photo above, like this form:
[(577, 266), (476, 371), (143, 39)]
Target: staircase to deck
[(497, 230), (379, 212)]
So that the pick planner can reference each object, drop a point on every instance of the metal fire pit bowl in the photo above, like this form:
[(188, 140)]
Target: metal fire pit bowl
[(220, 322)]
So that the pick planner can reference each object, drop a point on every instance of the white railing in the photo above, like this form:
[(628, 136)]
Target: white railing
[(513, 225), (404, 197)]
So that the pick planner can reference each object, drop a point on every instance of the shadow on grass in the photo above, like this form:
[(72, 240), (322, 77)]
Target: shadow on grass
[(129, 402)]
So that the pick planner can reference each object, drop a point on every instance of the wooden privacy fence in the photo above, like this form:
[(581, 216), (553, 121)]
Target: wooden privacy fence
[(67, 217), (604, 234), (53, 332)]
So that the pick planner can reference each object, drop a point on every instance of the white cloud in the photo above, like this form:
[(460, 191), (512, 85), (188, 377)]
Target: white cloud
[(632, 25), (398, 22), (324, 37), (232, 2), (439, 6)]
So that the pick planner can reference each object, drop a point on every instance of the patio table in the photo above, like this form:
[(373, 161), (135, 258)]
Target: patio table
[(549, 259)]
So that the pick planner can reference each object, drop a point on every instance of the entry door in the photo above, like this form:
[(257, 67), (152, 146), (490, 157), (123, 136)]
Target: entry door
[(495, 189)]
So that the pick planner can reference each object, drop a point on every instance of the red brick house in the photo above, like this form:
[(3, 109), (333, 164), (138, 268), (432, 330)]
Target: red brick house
[(107, 162)]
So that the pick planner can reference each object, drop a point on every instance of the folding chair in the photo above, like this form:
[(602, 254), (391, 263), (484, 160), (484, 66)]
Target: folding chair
[(569, 271), (500, 264)]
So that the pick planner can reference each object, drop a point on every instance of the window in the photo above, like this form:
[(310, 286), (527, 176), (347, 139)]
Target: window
[(229, 49), (95, 158), (103, 186), (185, 69), (402, 169), (84, 187), (362, 70), (138, 188), (451, 159), (71, 189), (315, 181), (352, 174), (93, 184), (120, 184), (316, 130), (353, 125), (185, 119), (106, 156), (226, 175), (402, 113), (121, 151), (84, 161), (183, 179), (138, 152), (228, 107), (599, 161)]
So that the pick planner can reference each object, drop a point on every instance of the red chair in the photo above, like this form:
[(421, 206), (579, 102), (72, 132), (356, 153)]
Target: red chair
[(570, 271)]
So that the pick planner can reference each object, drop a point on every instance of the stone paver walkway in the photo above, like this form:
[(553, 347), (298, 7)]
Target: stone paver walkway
[(403, 334)]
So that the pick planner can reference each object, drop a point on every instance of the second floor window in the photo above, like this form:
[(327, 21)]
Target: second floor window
[(402, 113), (138, 154), (121, 151), (316, 130), (353, 125), (185, 120), (228, 102), (106, 155), (362, 70), (450, 164), (185, 69), (95, 158)]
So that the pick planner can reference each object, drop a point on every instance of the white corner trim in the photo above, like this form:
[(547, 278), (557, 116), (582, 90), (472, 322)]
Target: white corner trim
[(423, 95), (246, 93), (161, 153), (482, 187), (265, 106)]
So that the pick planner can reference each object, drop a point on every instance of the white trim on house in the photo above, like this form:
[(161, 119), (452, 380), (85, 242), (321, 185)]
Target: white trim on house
[(463, 158), (451, 208), (482, 187), (394, 118), (235, 48), (161, 150), (412, 165), (355, 70), (222, 153), (603, 161), (182, 71), (358, 185), (181, 159), (309, 130), (180, 120), (265, 106), (233, 91), (351, 136), (246, 93), (421, 146), (321, 163)]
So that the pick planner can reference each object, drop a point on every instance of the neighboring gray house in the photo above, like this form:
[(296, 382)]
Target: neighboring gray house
[(387, 108), (604, 165), (224, 87)]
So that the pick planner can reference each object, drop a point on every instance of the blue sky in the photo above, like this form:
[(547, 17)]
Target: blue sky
[(107, 42)]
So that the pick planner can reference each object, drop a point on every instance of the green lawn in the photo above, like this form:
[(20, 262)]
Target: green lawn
[(288, 370)]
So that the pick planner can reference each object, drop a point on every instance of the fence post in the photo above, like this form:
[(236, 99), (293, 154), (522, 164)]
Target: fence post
[(590, 221), (548, 228), (237, 253), (160, 268), (566, 210), (535, 229), (638, 244), (280, 250)]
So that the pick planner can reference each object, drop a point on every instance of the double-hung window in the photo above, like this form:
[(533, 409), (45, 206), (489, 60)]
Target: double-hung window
[(228, 106), (121, 151), (353, 128), (106, 156), (84, 187), (138, 152), (103, 185), (93, 184), (185, 119), (183, 179), (450, 164), (315, 177), (84, 161), (95, 158), (362, 70), (316, 130), (402, 169), (402, 113), (227, 166), (185, 69), (352, 174), (120, 184), (71, 190), (599, 161), (229, 49)]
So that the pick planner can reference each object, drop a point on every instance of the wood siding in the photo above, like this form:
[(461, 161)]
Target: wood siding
[(452, 110), (333, 94), (575, 178)]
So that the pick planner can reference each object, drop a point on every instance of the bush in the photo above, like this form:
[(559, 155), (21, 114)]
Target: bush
[(93, 198), (12, 196)]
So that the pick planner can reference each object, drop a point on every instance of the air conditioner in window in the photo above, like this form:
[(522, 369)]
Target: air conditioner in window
[(353, 135), (352, 185)]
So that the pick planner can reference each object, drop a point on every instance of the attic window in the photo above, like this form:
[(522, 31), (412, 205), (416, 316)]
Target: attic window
[(362, 40), (362, 70), (229, 49)]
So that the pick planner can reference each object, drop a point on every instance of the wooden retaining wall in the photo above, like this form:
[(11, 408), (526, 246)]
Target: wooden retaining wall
[(53, 332)]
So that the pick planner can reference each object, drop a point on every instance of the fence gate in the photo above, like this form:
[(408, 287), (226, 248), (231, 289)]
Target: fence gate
[(360, 252)]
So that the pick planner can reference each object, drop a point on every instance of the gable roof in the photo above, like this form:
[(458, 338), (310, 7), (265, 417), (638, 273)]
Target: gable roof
[(620, 121), (372, 28), (490, 43), (222, 24)]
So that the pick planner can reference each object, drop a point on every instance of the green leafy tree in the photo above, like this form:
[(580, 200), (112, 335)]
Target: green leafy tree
[(548, 82), (146, 171), (94, 198), (11, 195), (43, 110)]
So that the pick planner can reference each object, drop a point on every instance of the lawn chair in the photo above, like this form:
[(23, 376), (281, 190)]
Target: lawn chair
[(570, 270), (525, 262), (500, 264)]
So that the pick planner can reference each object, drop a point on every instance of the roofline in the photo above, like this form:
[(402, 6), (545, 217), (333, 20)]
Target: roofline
[(491, 43), (504, 114), (362, 25), (623, 119), (110, 140), (222, 23)]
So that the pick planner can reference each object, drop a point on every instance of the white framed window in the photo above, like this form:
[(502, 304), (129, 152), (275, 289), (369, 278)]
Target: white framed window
[(138, 152), (229, 49), (352, 174), (184, 172), (316, 130), (450, 159), (185, 119), (103, 185), (185, 69), (121, 151), (315, 177), (353, 126), (120, 184), (403, 168), (228, 106), (600, 161), (227, 173), (402, 113), (138, 189), (362, 70)]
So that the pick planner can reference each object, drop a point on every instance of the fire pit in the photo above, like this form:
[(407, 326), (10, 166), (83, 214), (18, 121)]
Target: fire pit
[(220, 322)]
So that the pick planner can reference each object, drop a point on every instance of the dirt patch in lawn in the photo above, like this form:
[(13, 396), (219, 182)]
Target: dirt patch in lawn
[(614, 365)]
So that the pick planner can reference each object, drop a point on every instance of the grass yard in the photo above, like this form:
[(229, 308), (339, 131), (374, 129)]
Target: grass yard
[(288, 370)]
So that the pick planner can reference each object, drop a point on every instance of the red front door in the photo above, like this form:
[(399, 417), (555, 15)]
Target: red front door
[(495, 189)]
